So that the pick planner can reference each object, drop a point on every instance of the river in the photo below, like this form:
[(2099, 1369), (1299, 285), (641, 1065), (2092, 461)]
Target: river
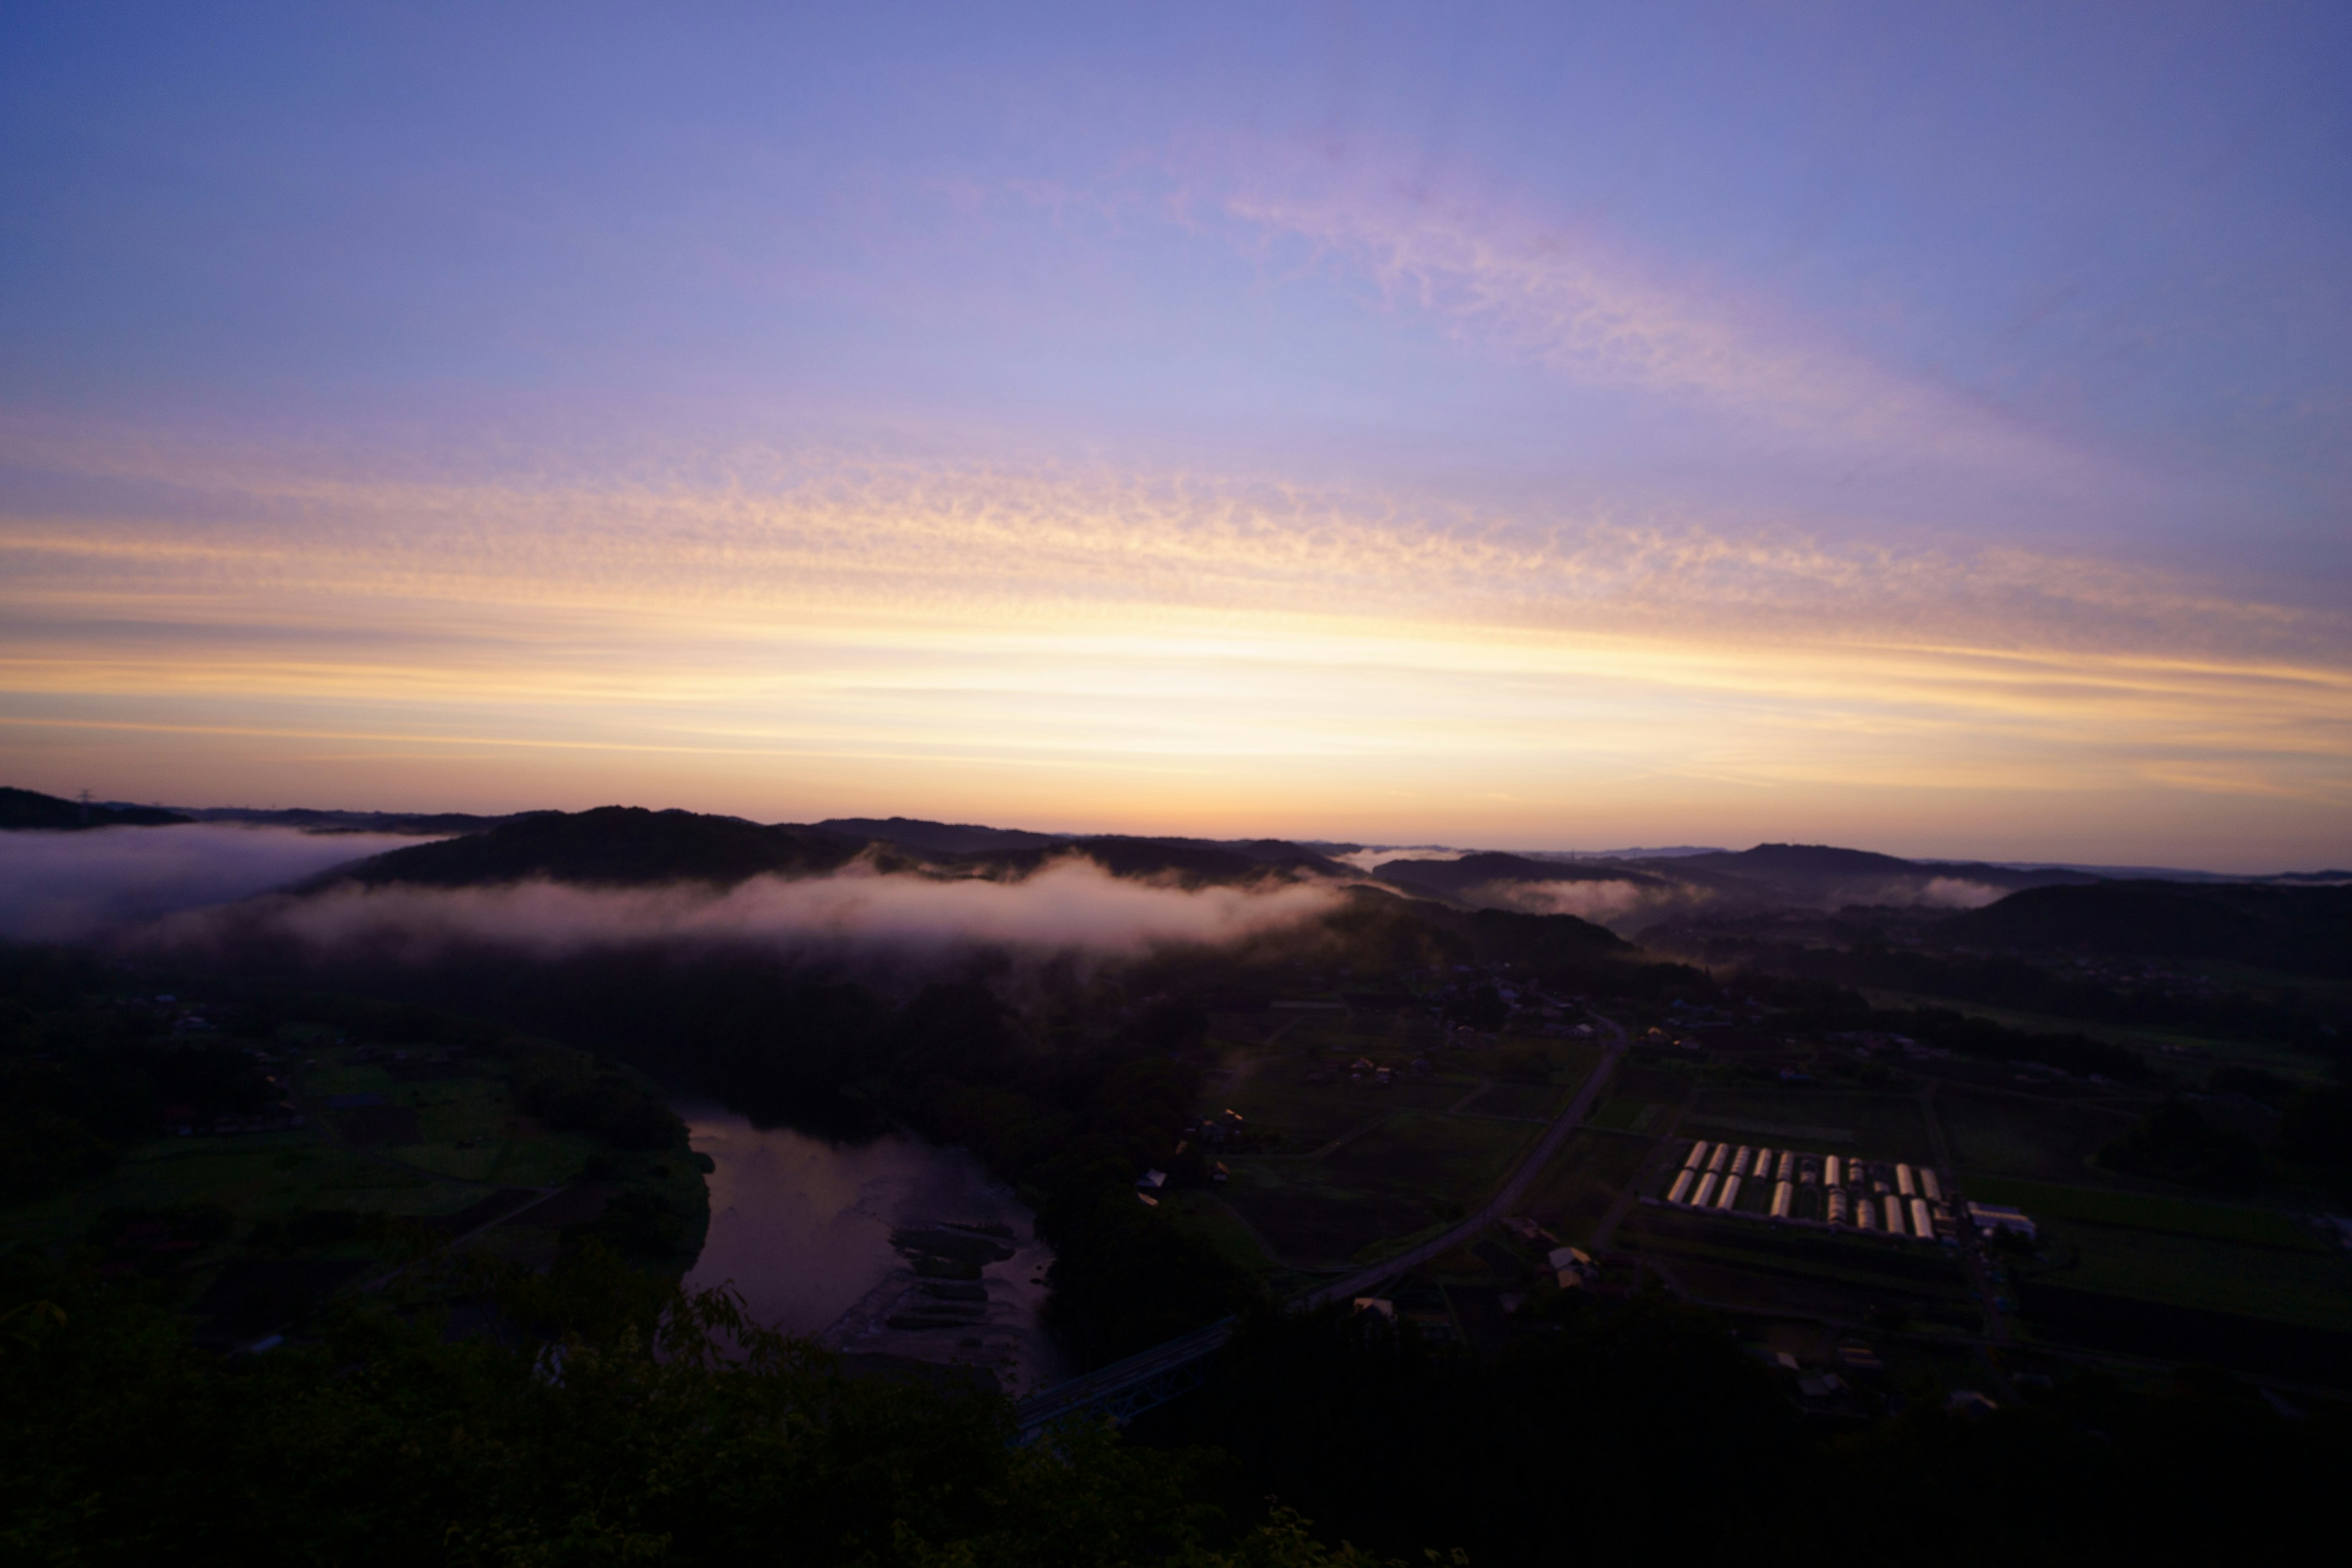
[(802, 1228)]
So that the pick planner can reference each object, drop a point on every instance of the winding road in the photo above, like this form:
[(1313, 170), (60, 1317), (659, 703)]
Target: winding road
[(1168, 1369), (1506, 1198)]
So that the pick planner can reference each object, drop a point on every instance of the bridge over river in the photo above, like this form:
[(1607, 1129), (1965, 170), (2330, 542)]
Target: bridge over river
[(1126, 1388)]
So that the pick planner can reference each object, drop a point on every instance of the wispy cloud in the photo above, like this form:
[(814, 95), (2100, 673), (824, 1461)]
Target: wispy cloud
[(1054, 627), (1591, 305), (815, 527)]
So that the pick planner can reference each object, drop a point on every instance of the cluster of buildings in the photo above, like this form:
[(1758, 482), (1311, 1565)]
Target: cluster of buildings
[(1831, 1190)]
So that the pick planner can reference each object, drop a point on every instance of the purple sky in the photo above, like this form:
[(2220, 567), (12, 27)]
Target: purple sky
[(1919, 425)]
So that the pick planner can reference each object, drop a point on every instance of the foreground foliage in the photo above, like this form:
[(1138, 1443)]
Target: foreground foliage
[(1647, 1433), (613, 1419)]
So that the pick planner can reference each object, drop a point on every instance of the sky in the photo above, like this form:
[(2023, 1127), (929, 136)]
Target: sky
[(1923, 427)]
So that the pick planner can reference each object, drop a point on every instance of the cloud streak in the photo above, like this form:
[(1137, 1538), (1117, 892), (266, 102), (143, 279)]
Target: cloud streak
[(1065, 635), (756, 527), (1589, 307)]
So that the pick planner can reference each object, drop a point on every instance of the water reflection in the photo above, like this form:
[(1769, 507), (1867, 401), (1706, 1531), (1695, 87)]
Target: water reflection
[(802, 1228)]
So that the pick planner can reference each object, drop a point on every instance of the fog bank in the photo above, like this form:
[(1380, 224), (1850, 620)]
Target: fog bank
[(1959, 893), (1070, 904), (1370, 860), (64, 887)]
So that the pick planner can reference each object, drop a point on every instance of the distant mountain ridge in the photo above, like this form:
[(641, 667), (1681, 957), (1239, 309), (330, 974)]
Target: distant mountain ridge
[(611, 845), (630, 845), (2307, 930), (1459, 878), (311, 820), (24, 810), (1125, 852), (616, 846), (1812, 876), (943, 837)]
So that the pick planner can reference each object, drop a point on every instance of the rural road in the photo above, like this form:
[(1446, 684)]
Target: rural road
[(1506, 1198), (1172, 1359)]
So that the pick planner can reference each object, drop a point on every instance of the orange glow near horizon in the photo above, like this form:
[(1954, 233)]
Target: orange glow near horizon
[(1187, 658), (1581, 431)]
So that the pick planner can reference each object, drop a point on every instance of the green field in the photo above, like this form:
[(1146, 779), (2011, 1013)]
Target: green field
[(470, 1143), (1750, 1264), (507, 1149), (1535, 1101), (1310, 1115), (1415, 1170), (2283, 1060), (1625, 1115), (2013, 1135), (1573, 1061), (1573, 1191), (1847, 1257), (1206, 1216), (254, 1176), (1662, 1084), (2177, 1216), (2292, 1287), (1876, 1126)]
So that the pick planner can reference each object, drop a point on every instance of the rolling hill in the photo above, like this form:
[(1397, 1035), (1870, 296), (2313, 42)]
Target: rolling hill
[(24, 810), (613, 846), (2303, 930)]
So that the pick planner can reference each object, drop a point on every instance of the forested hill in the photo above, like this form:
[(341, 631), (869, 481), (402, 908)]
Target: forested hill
[(1826, 874), (1454, 879), (24, 808), (1769, 875), (617, 846), (2305, 930), (613, 846), (1189, 861), (940, 837), (1018, 850)]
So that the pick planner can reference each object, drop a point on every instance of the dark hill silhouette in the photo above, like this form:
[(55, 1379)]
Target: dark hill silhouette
[(1454, 879), (1213, 859), (24, 808), (1278, 852), (938, 837), (1769, 875), (613, 846), (1189, 862), (1810, 862), (421, 823), (617, 846), (1541, 940), (1826, 875), (1386, 927), (2304, 930)]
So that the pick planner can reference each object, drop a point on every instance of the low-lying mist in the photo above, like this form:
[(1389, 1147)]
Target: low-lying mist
[(1954, 893), (1370, 860), (1069, 905), (67, 887), (1627, 908), (1620, 906)]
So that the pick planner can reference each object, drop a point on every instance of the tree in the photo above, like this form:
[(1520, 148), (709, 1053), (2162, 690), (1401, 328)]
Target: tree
[(612, 1419)]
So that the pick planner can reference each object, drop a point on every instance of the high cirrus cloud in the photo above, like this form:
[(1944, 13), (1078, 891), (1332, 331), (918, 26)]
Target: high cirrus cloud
[(1069, 905), (64, 887)]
